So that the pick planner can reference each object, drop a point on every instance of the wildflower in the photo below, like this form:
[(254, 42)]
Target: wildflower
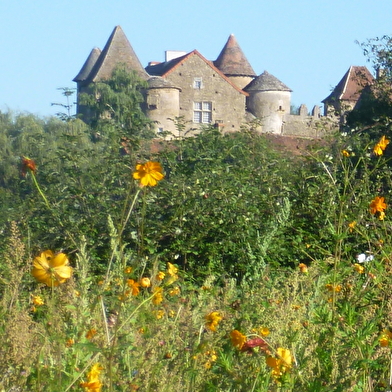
[(359, 268), (145, 282), (264, 331), (134, 286), (28, 164), (381, 146), (237, 339), (70, 342), (250, 344), (381, 215), (362, 258), (37, 300), (159, 314), (213, 320), (149, 173), (351, 226), (303, 268), (158, 297), (51, 269), (281, 364), (172, 270), (175, 291), (93, 384), (377, 205), (345, 153), (385, 338), (160, 275), (128, 270), (91, 333), (336, 288)]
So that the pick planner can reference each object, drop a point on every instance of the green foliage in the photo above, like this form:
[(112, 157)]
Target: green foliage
[(114, 106)]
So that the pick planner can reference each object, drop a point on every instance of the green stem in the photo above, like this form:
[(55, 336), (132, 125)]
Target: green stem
[(39, 190)]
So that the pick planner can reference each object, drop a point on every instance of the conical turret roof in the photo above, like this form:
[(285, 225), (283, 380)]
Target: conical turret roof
[(266, 82), (117, 50), (232, 61), (88, 65)]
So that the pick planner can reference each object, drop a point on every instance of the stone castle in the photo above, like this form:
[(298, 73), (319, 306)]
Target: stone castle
[(226, 92)]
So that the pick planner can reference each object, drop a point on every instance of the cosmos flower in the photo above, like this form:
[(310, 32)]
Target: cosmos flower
[(28, 165), (280, 364), (378, 205), (149, 173), (93, 383), (51, 269), (237, 339), (145, 282), (303, 268), (380, 147)]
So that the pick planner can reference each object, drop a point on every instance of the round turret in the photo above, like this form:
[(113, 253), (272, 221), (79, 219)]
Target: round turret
[(269, 100)]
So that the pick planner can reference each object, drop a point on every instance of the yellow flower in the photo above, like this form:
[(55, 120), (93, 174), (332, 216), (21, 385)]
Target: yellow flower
[(159, 314), (174, 291), (381, 146), (172, 269), (158, 297), (264, 331), (128, 270), (212, 320), (237, 339), (359, 268), (70, 342), (93, 384), (303, 268), (351, 226), (381, 216), (377, 205), (145, 282), (134, 286), (149, 173), (160, 275), (281, 364), (336, 288), (37, 300), (51, 269), (345, 153), (385, 338)]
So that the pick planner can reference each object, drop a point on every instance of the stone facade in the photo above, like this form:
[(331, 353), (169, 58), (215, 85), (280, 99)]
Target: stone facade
[(225, 92)]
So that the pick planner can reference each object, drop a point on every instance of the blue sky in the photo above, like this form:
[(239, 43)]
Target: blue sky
[(307, 44)]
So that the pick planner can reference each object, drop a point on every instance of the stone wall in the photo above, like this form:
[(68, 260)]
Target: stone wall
[(228, 103)]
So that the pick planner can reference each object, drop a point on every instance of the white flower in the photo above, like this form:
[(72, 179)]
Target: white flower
[(362, 258)]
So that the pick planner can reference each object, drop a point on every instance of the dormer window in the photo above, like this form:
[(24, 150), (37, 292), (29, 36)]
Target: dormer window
[(197, 83)]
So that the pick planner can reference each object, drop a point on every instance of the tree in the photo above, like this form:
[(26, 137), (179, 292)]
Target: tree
[(115, 105)]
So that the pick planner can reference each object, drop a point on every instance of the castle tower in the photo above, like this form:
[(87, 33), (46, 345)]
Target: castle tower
[(100, 64), (162, 101), (233, 63), (269, 100)]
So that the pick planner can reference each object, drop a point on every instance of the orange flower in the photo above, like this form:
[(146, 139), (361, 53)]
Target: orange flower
[(303, 268), (345, 153), (134, 286), (237, 339), (149, 173), (28, 164), (351, 226), (158, 297), (91, 333), (377, 205)]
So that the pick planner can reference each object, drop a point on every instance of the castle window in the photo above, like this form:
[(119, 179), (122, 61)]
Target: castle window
[(202, 112), (197, 83)]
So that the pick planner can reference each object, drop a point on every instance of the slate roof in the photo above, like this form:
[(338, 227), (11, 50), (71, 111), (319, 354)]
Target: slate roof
[(117, 50), (352, 84), (88, 65), (266, 82), (165, 68), (232, 61)]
